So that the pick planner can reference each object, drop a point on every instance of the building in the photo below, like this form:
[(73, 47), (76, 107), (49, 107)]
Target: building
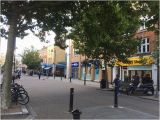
[(43, 54), (76, 67), (53, 60), (142, 62)]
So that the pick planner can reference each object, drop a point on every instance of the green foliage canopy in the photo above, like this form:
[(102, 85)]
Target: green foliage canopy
[(106, 31), (31, 58)]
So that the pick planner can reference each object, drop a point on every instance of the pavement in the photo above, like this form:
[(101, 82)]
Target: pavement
[(97, 85), (109, 112)]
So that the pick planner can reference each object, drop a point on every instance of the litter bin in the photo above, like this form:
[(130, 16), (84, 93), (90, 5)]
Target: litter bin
[(76, 114), (103, 84)]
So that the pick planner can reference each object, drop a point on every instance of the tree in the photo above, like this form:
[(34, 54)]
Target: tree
[(31, 58), (106, 31), (38, 17)]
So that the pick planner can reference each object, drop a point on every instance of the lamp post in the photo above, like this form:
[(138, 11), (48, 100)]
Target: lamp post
[(54, 61)]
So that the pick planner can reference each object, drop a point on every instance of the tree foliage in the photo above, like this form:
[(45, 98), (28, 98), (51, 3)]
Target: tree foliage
[(37, 16), (106, 31), (31, 58), (106, 27), (98, 27)]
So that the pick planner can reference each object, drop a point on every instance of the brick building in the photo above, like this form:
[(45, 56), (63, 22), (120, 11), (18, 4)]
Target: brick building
[(142, 62)]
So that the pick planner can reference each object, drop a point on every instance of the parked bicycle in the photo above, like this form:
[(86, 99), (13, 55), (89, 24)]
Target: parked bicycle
[(19, 94)]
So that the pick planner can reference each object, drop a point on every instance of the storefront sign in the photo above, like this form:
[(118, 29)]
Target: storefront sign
[(75, 64), (140, 68), (136, 61)]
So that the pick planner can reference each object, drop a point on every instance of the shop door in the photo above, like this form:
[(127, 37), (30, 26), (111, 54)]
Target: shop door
[(124, 74)]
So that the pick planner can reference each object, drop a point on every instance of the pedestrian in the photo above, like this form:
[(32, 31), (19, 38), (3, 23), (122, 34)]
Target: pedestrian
[(117, 84), (147, 79), (39, 74), (13, 77), (19, 74), (136, 80)]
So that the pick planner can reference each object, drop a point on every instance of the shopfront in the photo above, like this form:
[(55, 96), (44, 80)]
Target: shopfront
[(75, 67), (136, 65), (86, 72)]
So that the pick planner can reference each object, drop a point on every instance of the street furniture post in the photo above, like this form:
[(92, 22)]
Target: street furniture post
[(71, 99), (116, 97)]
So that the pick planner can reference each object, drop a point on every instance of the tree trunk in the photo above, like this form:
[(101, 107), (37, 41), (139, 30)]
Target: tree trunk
[(7, 76)]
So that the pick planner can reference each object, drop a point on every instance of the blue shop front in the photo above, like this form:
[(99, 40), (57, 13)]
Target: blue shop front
[(75, 67)]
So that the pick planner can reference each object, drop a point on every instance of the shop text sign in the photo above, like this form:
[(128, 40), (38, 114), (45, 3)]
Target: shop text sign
[(147, 60), (75, 64)]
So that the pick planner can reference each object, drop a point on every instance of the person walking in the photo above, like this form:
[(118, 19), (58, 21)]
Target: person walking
[(117, 84), (13, 77), (19, 74), (135, 80), (39, 74)]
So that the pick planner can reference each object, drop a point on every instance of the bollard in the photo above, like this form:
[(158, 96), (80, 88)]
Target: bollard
[(76, 114), (71, 99), (61, 77), (70, 79), (115, 97)]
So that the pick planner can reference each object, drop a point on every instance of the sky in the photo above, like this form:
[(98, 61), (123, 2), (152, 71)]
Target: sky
[(27, 42)]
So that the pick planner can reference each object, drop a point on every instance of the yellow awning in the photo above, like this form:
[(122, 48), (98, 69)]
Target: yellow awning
[(136, 61)]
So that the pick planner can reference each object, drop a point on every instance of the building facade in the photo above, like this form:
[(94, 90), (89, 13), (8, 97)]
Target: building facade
[(53, 59), (43, 54), (77, 69), (142, 62)]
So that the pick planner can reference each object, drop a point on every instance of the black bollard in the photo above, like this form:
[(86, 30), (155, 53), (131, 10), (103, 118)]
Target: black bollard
[(61, 77), (71, 99), (116, 97), (70, 79), (76, 114)]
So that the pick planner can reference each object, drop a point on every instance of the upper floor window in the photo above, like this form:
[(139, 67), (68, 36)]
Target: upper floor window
[(143, 26), (144, 47)]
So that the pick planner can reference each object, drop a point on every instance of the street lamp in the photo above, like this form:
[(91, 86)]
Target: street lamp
[(85, 69)]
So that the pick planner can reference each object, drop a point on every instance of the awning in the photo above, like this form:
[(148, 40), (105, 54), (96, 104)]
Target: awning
[(46, 68), (137, 61), (60, 65)]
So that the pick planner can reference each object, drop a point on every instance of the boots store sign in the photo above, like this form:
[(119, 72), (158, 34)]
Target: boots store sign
[(75, 64)]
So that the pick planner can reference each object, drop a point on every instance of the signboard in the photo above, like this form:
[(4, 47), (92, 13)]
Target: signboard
[(75, 64), (136, 61)]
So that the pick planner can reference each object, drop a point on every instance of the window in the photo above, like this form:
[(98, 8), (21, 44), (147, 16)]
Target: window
[(144, 47), (142, 27)]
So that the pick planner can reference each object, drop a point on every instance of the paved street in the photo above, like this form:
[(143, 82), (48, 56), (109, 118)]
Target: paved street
[(49, 99)]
